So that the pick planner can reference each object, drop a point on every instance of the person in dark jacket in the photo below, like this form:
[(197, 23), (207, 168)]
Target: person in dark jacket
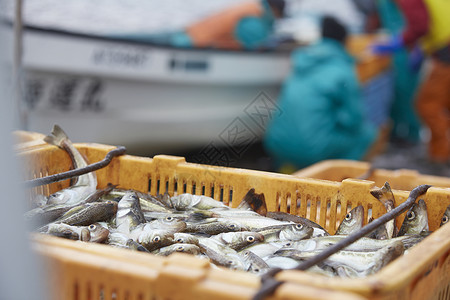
[(428, 32), (321, 108)]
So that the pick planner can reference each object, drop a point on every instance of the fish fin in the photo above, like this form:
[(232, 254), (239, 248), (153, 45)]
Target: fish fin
[(255, 202), (56, 137)]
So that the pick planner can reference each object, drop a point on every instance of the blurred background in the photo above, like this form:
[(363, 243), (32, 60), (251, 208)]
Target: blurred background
[(152, 76)]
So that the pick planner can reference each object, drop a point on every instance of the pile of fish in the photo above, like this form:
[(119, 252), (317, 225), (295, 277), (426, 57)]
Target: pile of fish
[(247, 238)]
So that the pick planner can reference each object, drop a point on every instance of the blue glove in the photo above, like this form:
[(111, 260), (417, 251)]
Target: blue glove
[(395, 43), (415, 59)]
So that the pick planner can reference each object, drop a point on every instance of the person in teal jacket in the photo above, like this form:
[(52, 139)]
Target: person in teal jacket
[(321, 109), (406, 124), (248, 25)]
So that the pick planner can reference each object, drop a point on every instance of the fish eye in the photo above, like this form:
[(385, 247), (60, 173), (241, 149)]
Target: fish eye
[(232, 226), (230, 262), (444, 219), (348, 216), (180, 248), (298, 226), (169, 218), (256, 270), (92, 227), (156, 239), (246, 253), (250, 239), (410, 215), (180, 240), (288, 244)]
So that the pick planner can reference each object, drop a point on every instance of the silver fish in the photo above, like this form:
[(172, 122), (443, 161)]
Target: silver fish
[(190, 202), (168, 223), (352, 222), (185, 238), (290, 232), (84, 185), (215, 226), (256, 264), (185, 248), (147, 202), (86, 214), (50, 212), (93, 233), (129, 213), (363, 262), (266, 249), (362, 244), (416, 219), (282, 216), (121, 240), (152, 239), (69, 232), (386, 197), (222, 255), (239, 240), (281, 262)]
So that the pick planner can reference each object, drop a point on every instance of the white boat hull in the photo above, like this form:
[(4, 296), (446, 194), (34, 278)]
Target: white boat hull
[(144, 96)]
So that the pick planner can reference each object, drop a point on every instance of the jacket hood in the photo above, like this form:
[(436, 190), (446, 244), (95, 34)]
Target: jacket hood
[(325, 50)]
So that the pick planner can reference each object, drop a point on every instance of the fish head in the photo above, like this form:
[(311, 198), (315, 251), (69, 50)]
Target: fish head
[(232, 226), (296, 232), (60, 197), (129, 200), (155, 239), (185, 238), (173, 224), (233, 262), (254, 237), (110, 206), (353, 221), (187, 248), (416, 219), (239, 240), (445, 217), (256, 264), (98, 233), (183, 201)]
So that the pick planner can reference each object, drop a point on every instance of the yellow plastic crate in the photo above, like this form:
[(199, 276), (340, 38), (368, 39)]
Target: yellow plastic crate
[(340, 169), (81, 270), (26, 139)]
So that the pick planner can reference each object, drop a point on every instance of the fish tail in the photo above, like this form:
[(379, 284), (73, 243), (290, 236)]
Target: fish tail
[(384, 194), (255, 202), (56, 137)]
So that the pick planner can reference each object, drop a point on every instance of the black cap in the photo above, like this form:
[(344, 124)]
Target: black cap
[(333, 29)]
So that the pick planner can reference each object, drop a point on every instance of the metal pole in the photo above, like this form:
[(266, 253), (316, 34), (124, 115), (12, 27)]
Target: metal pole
[(77, 172), (20, 266), (22, 118)]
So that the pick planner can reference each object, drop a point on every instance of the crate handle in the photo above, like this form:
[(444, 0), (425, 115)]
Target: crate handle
[(269, 284), (77, 172)]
